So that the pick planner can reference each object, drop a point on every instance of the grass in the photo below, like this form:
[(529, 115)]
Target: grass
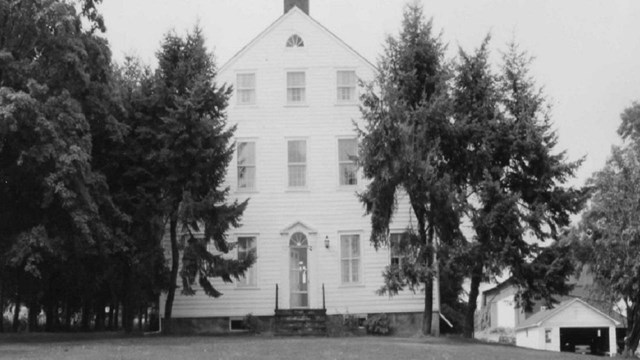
[(113, 346)]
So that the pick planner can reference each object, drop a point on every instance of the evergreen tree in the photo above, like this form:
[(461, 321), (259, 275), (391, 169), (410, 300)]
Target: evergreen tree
[(194, 151), (406, 112), (512, 179)]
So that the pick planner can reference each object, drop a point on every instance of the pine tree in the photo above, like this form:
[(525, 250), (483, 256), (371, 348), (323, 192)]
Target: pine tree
[(406, 112), (512, 179), (195, 150)]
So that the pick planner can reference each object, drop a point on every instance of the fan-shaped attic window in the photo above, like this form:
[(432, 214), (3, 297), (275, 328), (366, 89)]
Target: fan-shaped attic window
[(295, 41)]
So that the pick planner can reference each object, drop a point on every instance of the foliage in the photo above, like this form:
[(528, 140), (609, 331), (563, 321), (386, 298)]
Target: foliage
[(193, 149), (406, 111), (251, 323), (608, 236), (59, 227), (379, 324), (511, 176)]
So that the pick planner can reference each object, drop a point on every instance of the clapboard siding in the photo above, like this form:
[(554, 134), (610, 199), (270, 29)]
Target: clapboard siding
[(325, 207)]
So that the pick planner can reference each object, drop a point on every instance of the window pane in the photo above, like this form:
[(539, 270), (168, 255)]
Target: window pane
[(355, 270), (297, 150), (246, 164), (348, 174), (355, 246), (347, 78), (246, 81), (346, 94), (345, 271), (296, 95), (346, 149), (297, 175), (344, 246), (246, 85), (295, 79), (246, 153), (246, 246), (246, 96)]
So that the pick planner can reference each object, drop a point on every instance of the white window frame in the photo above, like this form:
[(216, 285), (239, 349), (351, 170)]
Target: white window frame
[(250, 279), (291, 164), (350, 258), (303, 87), (240, 89), (352, 87), (347, 162), (239, 166)]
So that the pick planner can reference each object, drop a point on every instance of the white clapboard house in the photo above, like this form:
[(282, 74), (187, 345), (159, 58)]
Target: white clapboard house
[(295, 102)]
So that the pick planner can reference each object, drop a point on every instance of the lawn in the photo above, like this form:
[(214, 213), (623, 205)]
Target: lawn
[(82, 346)]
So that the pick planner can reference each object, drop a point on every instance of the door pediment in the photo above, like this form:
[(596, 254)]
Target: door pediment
[(298, 226)]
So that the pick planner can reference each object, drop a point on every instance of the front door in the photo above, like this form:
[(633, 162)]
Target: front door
[(298, 271)]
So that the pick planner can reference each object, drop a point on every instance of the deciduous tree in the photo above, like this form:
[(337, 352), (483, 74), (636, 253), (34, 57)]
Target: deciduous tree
[(609, 232)]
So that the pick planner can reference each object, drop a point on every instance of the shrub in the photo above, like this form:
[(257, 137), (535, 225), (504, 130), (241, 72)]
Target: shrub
[(251, 323), (378, 325)]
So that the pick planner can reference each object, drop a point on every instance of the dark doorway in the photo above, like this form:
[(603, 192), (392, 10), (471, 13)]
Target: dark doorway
[(594, 341)]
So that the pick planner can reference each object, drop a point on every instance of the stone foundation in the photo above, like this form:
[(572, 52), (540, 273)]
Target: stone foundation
[(403, 324)]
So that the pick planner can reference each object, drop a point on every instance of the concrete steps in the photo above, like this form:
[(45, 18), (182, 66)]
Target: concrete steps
[(301, 322)]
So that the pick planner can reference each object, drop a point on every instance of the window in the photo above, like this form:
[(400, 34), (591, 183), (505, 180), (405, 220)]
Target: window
[(397, 256), (346, 162), (346, 86), (297, 159), (296, 87), (547, 336), (350, 258), (246, 246), (295, 41), (246, 165), (246, 89)]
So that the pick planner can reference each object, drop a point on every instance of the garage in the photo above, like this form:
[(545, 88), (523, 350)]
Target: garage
[(593, 341), (572, 326)]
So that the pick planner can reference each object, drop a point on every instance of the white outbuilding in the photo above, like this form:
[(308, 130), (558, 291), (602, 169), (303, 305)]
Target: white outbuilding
[(573, 326)]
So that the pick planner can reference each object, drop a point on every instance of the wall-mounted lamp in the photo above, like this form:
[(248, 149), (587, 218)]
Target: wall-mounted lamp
[(326, 241)]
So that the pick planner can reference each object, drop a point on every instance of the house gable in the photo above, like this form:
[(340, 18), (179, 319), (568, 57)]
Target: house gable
[(268, 44)]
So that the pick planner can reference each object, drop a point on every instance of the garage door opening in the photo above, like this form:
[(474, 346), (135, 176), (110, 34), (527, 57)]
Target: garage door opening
[(594, 341)]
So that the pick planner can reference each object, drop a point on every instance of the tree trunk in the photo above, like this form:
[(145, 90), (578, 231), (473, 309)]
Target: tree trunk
[(174, 274), (111, 311), (34, 310), (67, 315), (86, 315), (1, 306), (435, 316), (474, 291), (116, 317), (633, 331), (99, 326), (128, 312), (16, 313), (428, 284), (49, 315)]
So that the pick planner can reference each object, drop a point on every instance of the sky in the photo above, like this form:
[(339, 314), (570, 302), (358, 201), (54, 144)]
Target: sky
[(586, 53)]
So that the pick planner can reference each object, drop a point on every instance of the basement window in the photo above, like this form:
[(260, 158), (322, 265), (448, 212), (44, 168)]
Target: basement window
[(237, 324)]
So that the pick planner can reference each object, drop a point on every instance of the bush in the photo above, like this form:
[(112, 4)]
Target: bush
[(251, 323), (378, 325)]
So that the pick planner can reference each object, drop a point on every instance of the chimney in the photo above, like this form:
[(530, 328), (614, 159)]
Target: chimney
[(301, 4)]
